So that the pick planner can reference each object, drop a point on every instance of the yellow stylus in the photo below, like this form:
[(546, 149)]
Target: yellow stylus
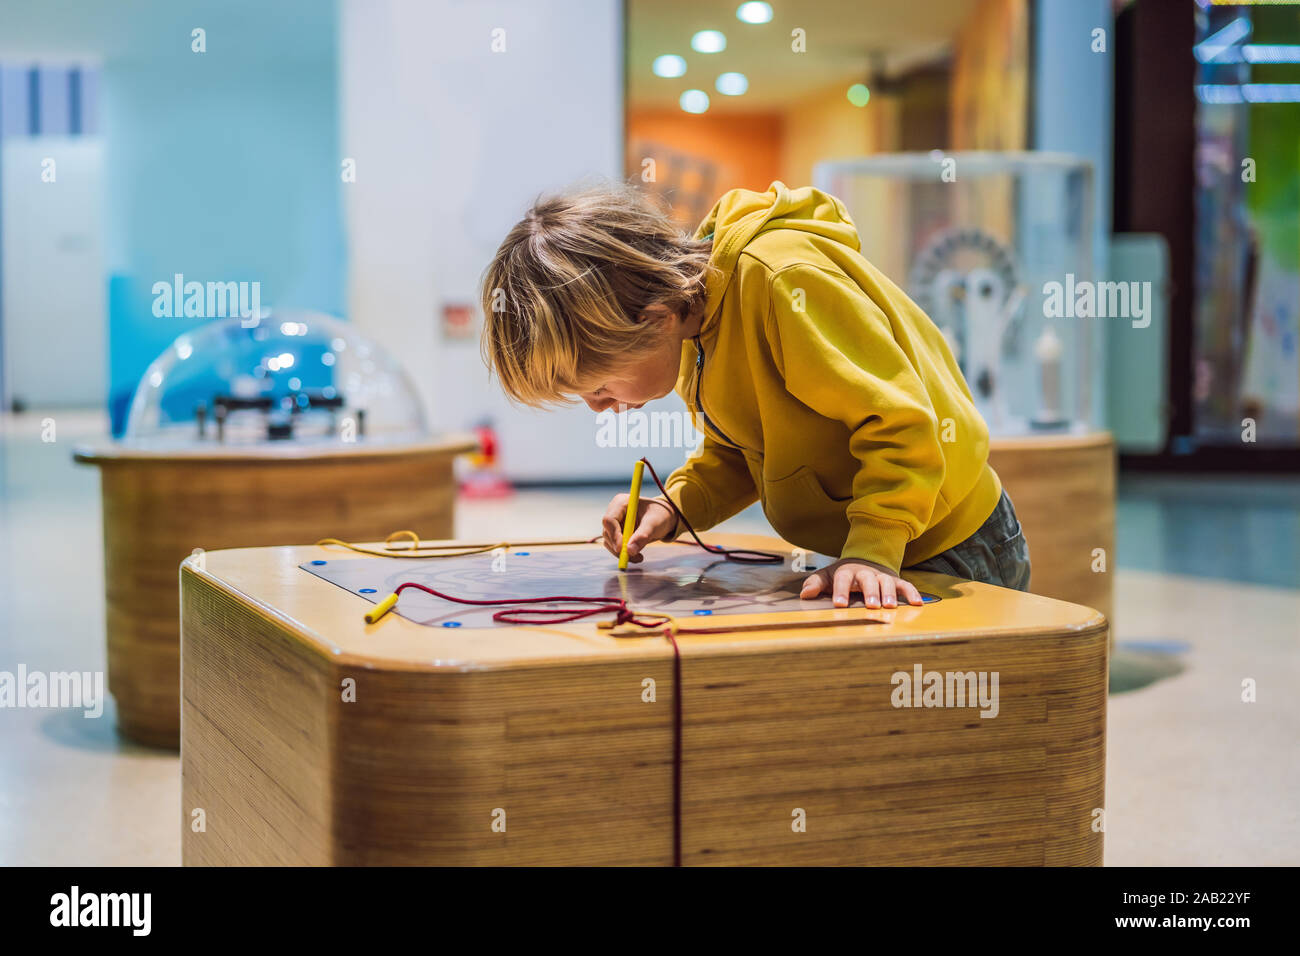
[(382, 608), (629, 520)]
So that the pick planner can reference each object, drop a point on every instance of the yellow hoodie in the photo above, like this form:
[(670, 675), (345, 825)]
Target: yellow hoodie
[(825, 392)]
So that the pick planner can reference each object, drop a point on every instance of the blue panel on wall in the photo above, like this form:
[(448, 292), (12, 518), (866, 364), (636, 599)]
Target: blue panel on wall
[(220, 170), (90, 102), (14, 101), (55, 118), (74, 102)]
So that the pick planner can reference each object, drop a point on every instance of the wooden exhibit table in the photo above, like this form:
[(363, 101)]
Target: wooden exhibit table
[(312, 737), (160, 504), (1063, 489)]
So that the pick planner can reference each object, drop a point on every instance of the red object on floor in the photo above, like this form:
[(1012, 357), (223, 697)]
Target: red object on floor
[(485, 484), (483, 480)]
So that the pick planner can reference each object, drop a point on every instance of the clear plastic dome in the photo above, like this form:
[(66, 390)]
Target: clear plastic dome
[(288, 377)]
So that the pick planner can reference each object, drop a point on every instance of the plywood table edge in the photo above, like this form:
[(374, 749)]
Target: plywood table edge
[(651, 646), (114, 454)]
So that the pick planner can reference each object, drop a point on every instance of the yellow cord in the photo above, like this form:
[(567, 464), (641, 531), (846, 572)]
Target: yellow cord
[(388, 603), (415, 539), (629, 630), (410, 552), (444, 550)]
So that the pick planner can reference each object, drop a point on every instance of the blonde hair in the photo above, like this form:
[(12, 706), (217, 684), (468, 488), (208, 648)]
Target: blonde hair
[(563, 296)]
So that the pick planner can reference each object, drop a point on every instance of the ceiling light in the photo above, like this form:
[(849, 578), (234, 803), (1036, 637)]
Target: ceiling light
[(669, 65), (731, 84), (694, 101), (708, 41)]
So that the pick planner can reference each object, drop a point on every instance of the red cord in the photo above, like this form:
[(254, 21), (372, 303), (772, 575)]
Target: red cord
[(598, 605), (743, 555), (677, 747), (515, 614), (549, 615), (623, 615)]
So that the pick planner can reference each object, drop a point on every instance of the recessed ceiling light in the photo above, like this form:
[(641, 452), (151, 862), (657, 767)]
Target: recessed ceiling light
[(708, 41), (669, 65), (694, 101), (731, 84), (754, 12), (859, 95)]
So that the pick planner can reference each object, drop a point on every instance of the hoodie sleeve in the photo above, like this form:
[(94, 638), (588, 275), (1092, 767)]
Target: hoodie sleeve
[(838, 355), (713, 485)]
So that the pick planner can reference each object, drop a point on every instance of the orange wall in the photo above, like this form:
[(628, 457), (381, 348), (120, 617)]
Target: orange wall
[(746, 148), (698, 158)]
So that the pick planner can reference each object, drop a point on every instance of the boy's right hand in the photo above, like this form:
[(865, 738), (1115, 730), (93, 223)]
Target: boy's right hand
[(655, 520)]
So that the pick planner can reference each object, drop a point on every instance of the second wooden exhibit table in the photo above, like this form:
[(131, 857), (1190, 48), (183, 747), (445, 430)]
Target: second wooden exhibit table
[(161, 504), (1063, 489)]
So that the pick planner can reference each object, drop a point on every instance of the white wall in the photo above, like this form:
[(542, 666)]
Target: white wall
[(54, 288), (452, 143)]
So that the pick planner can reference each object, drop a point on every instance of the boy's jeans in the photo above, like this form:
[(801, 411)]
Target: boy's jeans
[(995, 554)]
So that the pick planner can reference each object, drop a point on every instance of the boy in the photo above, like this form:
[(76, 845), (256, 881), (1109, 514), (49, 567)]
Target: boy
[(821, 389)]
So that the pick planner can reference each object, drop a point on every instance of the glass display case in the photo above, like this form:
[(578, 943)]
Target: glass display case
[(289, 376), (997, 248)]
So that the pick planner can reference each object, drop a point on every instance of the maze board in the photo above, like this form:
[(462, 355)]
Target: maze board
[(673, 579)]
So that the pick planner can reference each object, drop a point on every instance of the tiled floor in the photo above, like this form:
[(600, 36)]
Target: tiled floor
[(1208, 595)]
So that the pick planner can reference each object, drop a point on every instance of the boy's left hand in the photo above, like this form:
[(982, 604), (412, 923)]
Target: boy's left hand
[(879, 586)]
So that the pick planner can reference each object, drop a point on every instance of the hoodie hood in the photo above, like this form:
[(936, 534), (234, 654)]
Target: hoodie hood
[(741, 214)]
